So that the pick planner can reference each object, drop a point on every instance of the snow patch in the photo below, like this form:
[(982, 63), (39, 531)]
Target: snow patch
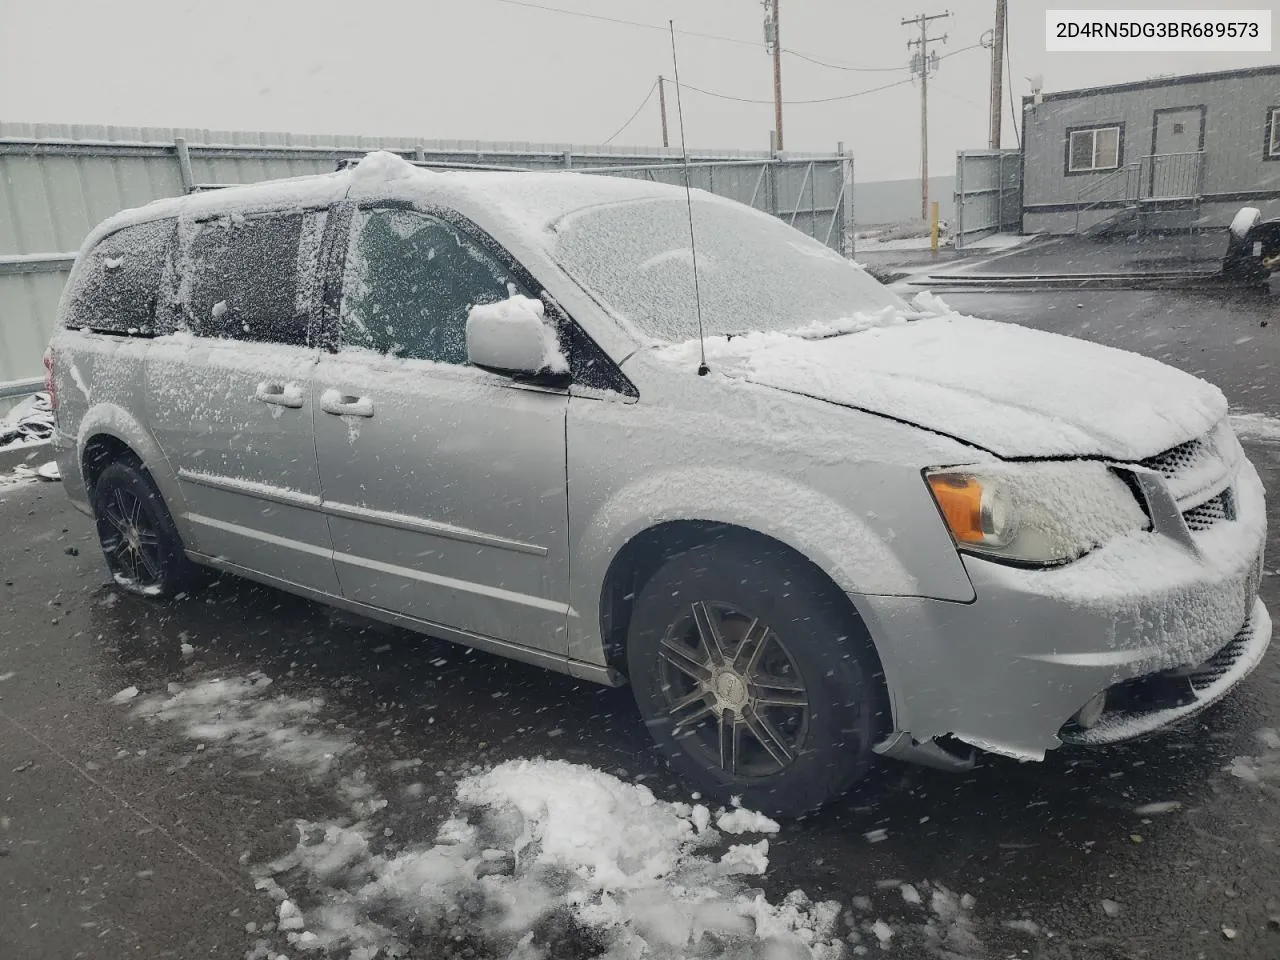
[(1263, 769), (239, 713), (540, 856), (745, 821), (504, 334), (1256, 426), (382, 166), (1054, 397), (1151, 809), (125, 695)]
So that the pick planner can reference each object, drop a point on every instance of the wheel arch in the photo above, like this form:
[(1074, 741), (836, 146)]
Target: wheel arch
[(644, 554), (108, 432)]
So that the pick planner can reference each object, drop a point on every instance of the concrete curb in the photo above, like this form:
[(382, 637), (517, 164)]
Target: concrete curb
[(32, 454)]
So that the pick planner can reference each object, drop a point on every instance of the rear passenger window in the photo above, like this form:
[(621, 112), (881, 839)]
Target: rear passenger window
[(243, 275), (410, 281), (119, 281)]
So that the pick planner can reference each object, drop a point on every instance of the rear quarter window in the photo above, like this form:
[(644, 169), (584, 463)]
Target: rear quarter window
[(119, 280)]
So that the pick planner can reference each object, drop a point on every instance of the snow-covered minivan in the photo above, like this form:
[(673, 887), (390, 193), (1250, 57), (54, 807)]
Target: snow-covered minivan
[(808, 522)]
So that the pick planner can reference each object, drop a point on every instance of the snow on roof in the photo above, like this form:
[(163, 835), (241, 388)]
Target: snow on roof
[(529, 200)]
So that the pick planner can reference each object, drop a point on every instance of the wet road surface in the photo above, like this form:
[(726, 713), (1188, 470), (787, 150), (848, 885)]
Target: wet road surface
[(121, 837)]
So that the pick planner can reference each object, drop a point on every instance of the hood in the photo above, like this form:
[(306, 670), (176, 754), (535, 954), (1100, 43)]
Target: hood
[(1011, 390)]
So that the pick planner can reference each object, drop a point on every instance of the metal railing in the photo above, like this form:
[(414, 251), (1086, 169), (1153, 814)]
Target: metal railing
[(1119, 186), (1162, 177), (12, 389), (1171, 176)]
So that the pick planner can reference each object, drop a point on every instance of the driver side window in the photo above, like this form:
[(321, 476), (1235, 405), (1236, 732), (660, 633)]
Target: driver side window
[(410, 281)]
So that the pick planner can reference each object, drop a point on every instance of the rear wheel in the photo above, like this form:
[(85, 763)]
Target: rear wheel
[(754, 677), (139, 540)]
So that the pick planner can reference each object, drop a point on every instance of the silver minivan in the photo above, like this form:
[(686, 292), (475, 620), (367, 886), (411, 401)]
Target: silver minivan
[(807, 521)]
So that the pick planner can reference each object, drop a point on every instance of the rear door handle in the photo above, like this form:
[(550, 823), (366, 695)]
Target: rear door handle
[(341, 405), (280, 394)]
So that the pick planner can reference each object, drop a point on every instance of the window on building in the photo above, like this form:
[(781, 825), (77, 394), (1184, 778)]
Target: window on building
[(243, 274), (410, 282), (1095, 149), (1273, 134)]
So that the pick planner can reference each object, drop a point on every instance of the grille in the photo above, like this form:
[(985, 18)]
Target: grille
[(1217, 666), (1219, 508), (1181, 458)]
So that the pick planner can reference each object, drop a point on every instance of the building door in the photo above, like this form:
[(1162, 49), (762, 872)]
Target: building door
[(1177, 158)]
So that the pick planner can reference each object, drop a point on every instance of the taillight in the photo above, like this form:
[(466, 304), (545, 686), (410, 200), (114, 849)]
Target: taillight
[(49, 387)]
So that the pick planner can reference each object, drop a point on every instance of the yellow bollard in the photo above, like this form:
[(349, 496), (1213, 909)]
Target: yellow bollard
[(933, 226)]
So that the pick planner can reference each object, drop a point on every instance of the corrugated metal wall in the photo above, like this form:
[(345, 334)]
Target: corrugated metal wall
[(57, 181), (988, 194), (1236, 111)]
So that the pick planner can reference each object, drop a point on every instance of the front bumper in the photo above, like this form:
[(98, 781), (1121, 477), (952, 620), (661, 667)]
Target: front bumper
[(1008, 672), (1138, 707)]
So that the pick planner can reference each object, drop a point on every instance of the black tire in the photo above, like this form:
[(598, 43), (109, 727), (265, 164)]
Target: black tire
[(805, 645), (139, 540)]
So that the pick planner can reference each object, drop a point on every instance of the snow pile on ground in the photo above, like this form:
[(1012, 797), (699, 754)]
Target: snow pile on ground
[(29, 422), (947, 927), (540, 859), (546, 859)]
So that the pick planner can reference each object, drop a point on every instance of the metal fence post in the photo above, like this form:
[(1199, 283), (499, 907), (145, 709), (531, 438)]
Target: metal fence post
[(568, 159), (184, 164), (773, 173), (957, 235), (842, 215), (850, 205)]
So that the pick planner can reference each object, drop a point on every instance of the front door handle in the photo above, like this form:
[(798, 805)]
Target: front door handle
[(280, 394), (342, 405)]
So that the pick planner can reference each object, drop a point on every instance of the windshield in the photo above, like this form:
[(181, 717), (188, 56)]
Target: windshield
[(755, 272)]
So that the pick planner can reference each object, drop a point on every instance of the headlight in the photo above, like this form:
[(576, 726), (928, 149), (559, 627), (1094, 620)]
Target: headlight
[(1037, 513)]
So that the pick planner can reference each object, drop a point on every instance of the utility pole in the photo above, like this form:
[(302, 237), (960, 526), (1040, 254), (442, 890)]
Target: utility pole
[(997, 73), (773, 43), (662, 105), (922, 62)]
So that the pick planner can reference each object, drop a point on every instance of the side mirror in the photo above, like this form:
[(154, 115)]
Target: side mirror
[(514, 337)]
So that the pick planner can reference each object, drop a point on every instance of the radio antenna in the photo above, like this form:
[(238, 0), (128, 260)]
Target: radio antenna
[(703, 369)]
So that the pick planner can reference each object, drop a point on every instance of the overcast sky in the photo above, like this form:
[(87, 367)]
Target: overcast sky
[(494, 70)]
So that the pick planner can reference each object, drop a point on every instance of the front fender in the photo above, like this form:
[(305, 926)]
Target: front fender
[(852, 547)]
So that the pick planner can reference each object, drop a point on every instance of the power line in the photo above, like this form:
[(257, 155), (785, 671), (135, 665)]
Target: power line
[(846, 96), (625, 23), (643, 103), (529, 4), (1017, 137), (842, 66)]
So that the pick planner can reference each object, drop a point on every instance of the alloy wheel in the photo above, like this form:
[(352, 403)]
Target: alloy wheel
[(131, 539), (732, 690)]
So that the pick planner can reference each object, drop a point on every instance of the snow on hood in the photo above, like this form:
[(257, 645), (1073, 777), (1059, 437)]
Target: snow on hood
[(1011, 390)]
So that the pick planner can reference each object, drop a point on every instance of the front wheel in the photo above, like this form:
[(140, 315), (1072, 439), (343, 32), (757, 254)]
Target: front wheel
[(754, 677), (139, 540)]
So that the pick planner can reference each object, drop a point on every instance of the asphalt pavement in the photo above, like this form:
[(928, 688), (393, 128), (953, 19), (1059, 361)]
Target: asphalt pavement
[(120, 837)]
